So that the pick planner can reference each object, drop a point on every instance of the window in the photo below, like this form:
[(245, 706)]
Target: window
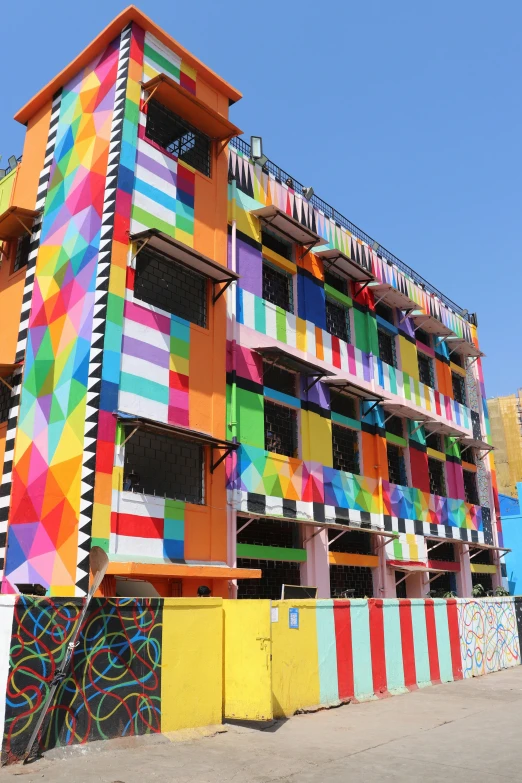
[(22, 252), (423, 337), (436, 474), (459, 388), (278, 245), (394, 425), (434, 441), (280, 429), (178, 137), (164, 283), (345, 449), (164, 466), (278, 379), (277, 287), (396, 465), (343, 404), (425, 370), (457, 359), (387, 347), (338, 320), (336, 281), (470, 487), (5, 396), (384, 311)]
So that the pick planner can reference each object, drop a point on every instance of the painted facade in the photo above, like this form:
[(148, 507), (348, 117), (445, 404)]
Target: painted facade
[(506, 432), (97, 360), (511, 514)]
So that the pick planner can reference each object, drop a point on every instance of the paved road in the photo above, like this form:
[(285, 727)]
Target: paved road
[(468, 729)]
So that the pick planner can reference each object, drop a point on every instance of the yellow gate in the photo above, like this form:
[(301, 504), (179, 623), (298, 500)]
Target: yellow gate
[(248, 660)]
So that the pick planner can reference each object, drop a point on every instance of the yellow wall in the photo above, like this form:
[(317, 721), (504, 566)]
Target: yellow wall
[(408, 354), (192, 670), (316, 434), (506, 436)]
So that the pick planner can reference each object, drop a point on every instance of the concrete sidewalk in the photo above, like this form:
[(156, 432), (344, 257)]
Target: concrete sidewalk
[(465, 729)]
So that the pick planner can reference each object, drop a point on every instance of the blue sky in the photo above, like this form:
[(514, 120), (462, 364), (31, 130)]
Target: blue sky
[(405, 116)]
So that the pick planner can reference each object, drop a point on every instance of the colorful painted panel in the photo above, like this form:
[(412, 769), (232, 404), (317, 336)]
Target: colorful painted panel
[(488, 635), (147, 529)]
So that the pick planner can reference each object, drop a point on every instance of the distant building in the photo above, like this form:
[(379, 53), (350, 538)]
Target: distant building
[(505, 415), (511, 515)]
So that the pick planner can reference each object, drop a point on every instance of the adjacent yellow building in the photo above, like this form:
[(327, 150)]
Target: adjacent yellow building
[(505, 414)]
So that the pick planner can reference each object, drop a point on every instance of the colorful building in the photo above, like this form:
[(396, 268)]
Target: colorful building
[(210, 372), (506, 432)]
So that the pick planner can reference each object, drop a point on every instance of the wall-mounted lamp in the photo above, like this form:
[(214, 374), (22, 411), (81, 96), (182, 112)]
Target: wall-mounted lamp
[(308, 193), (256, 151), (376, 247)]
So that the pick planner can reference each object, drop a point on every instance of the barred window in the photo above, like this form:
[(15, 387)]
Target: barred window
[(345, 449), (5, 396), (470, 487), (278, 379), (338, 320), (280, 429), (336, 281), (343, 404), (436, 474), (434, 441), (22, 252), (164, 466), (178, 137), (394, 425), (387, 347), (459, 388), (384, 311), (423, 337), (162, 282), (277, 287), (426, 375), (457, 359), (396, 465), (277, 244)]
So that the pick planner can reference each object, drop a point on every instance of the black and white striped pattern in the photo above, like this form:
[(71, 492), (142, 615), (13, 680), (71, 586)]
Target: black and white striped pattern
[(100, 313), (12, 421)]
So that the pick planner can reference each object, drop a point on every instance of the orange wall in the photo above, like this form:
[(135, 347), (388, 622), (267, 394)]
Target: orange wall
[(33, 159), (3, 429)]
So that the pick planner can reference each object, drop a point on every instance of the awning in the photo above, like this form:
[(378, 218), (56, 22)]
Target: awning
[(362, 528), (191, 436), (288, 226), (417, 569), (183, 254), (443, 429), (16, 221), (429, 323), (462, 346), (177, 570), (384, 292), (283, 358), (476, 443), (344, 263), (182, 102), (352, 388), (8, 369), (475, 545), (398, 409)]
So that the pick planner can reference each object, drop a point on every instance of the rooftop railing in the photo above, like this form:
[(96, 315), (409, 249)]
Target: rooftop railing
[(283, 176)]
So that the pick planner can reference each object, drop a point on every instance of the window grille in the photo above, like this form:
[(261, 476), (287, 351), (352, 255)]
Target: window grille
[(164, 283), (277, 287), (22, 252), (338, 320), (387, 347), (470, 487), (459, 388), (394, 426), (457, 359), (434, 441), (441, 551), (343, 404), (278, 379), (5, 398), (276, 244), (423, 337), (164, 466), (178, 137), (345, 445), (280, 429), (396, 465), (436, 474), (336, 281), (355, 541), (384, 311), (425, 370)]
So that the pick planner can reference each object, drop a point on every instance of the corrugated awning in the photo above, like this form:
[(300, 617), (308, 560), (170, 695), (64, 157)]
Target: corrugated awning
[(286, 359), (443, 429), (398, 409), (429, 323), (462, 346), (477, 443), (385, 292), (287, 225), (356, 390), (340, 261), (418, 569)]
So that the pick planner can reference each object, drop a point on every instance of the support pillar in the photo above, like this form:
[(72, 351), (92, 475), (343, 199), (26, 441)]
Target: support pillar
[(316, 571), (464, 583)]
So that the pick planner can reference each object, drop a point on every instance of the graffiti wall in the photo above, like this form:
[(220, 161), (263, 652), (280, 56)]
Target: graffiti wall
[(489, 636)]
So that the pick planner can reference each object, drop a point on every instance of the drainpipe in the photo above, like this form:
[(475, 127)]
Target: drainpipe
[(233, 333)]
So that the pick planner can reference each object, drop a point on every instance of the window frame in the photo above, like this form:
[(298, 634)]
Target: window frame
[(402, 456), (441, 463), (190, 128), (473, 475), (382, 330), (295, 412), (357, 453), (266, 262), (462, 384), (346, 310), (425, 357)]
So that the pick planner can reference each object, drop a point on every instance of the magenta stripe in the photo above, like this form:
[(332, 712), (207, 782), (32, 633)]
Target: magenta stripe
[(133, 347), (147, 318)]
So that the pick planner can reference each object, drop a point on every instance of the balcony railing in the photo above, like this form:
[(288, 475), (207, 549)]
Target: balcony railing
[(8, 169), (283, 176)]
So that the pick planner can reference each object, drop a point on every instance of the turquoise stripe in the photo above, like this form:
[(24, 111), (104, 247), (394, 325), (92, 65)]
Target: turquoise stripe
[(327, 652), (259, 315), (155, 194), (420, 642), (393, 646), (144, 388), (278, 396), (362, 651), (443, 640)]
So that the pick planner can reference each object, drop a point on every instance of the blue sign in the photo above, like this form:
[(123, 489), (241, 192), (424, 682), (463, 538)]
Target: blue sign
[(293, 618)]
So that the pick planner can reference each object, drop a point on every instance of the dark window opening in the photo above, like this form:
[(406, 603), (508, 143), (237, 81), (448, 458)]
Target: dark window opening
[(337, 320), (22, 252), (467, 454), (278, 379), (434, 441), (482, 579), (459, 388), (164, 466), (387, 347), (178, 137), (162, 282), (425, 370), (343, 404), (436, 474), (394, 426), (345, 449), (481, 556), (470, 487), (384, 311), (336, 281), (350, 581), (274, 574), (444, 583), (400, 589), (457, 359), (270, 532), (423, 337), (441, 551), (276, 244), (354, 541), (396, 465), (277, 287), (5, 399), (280, 429)]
